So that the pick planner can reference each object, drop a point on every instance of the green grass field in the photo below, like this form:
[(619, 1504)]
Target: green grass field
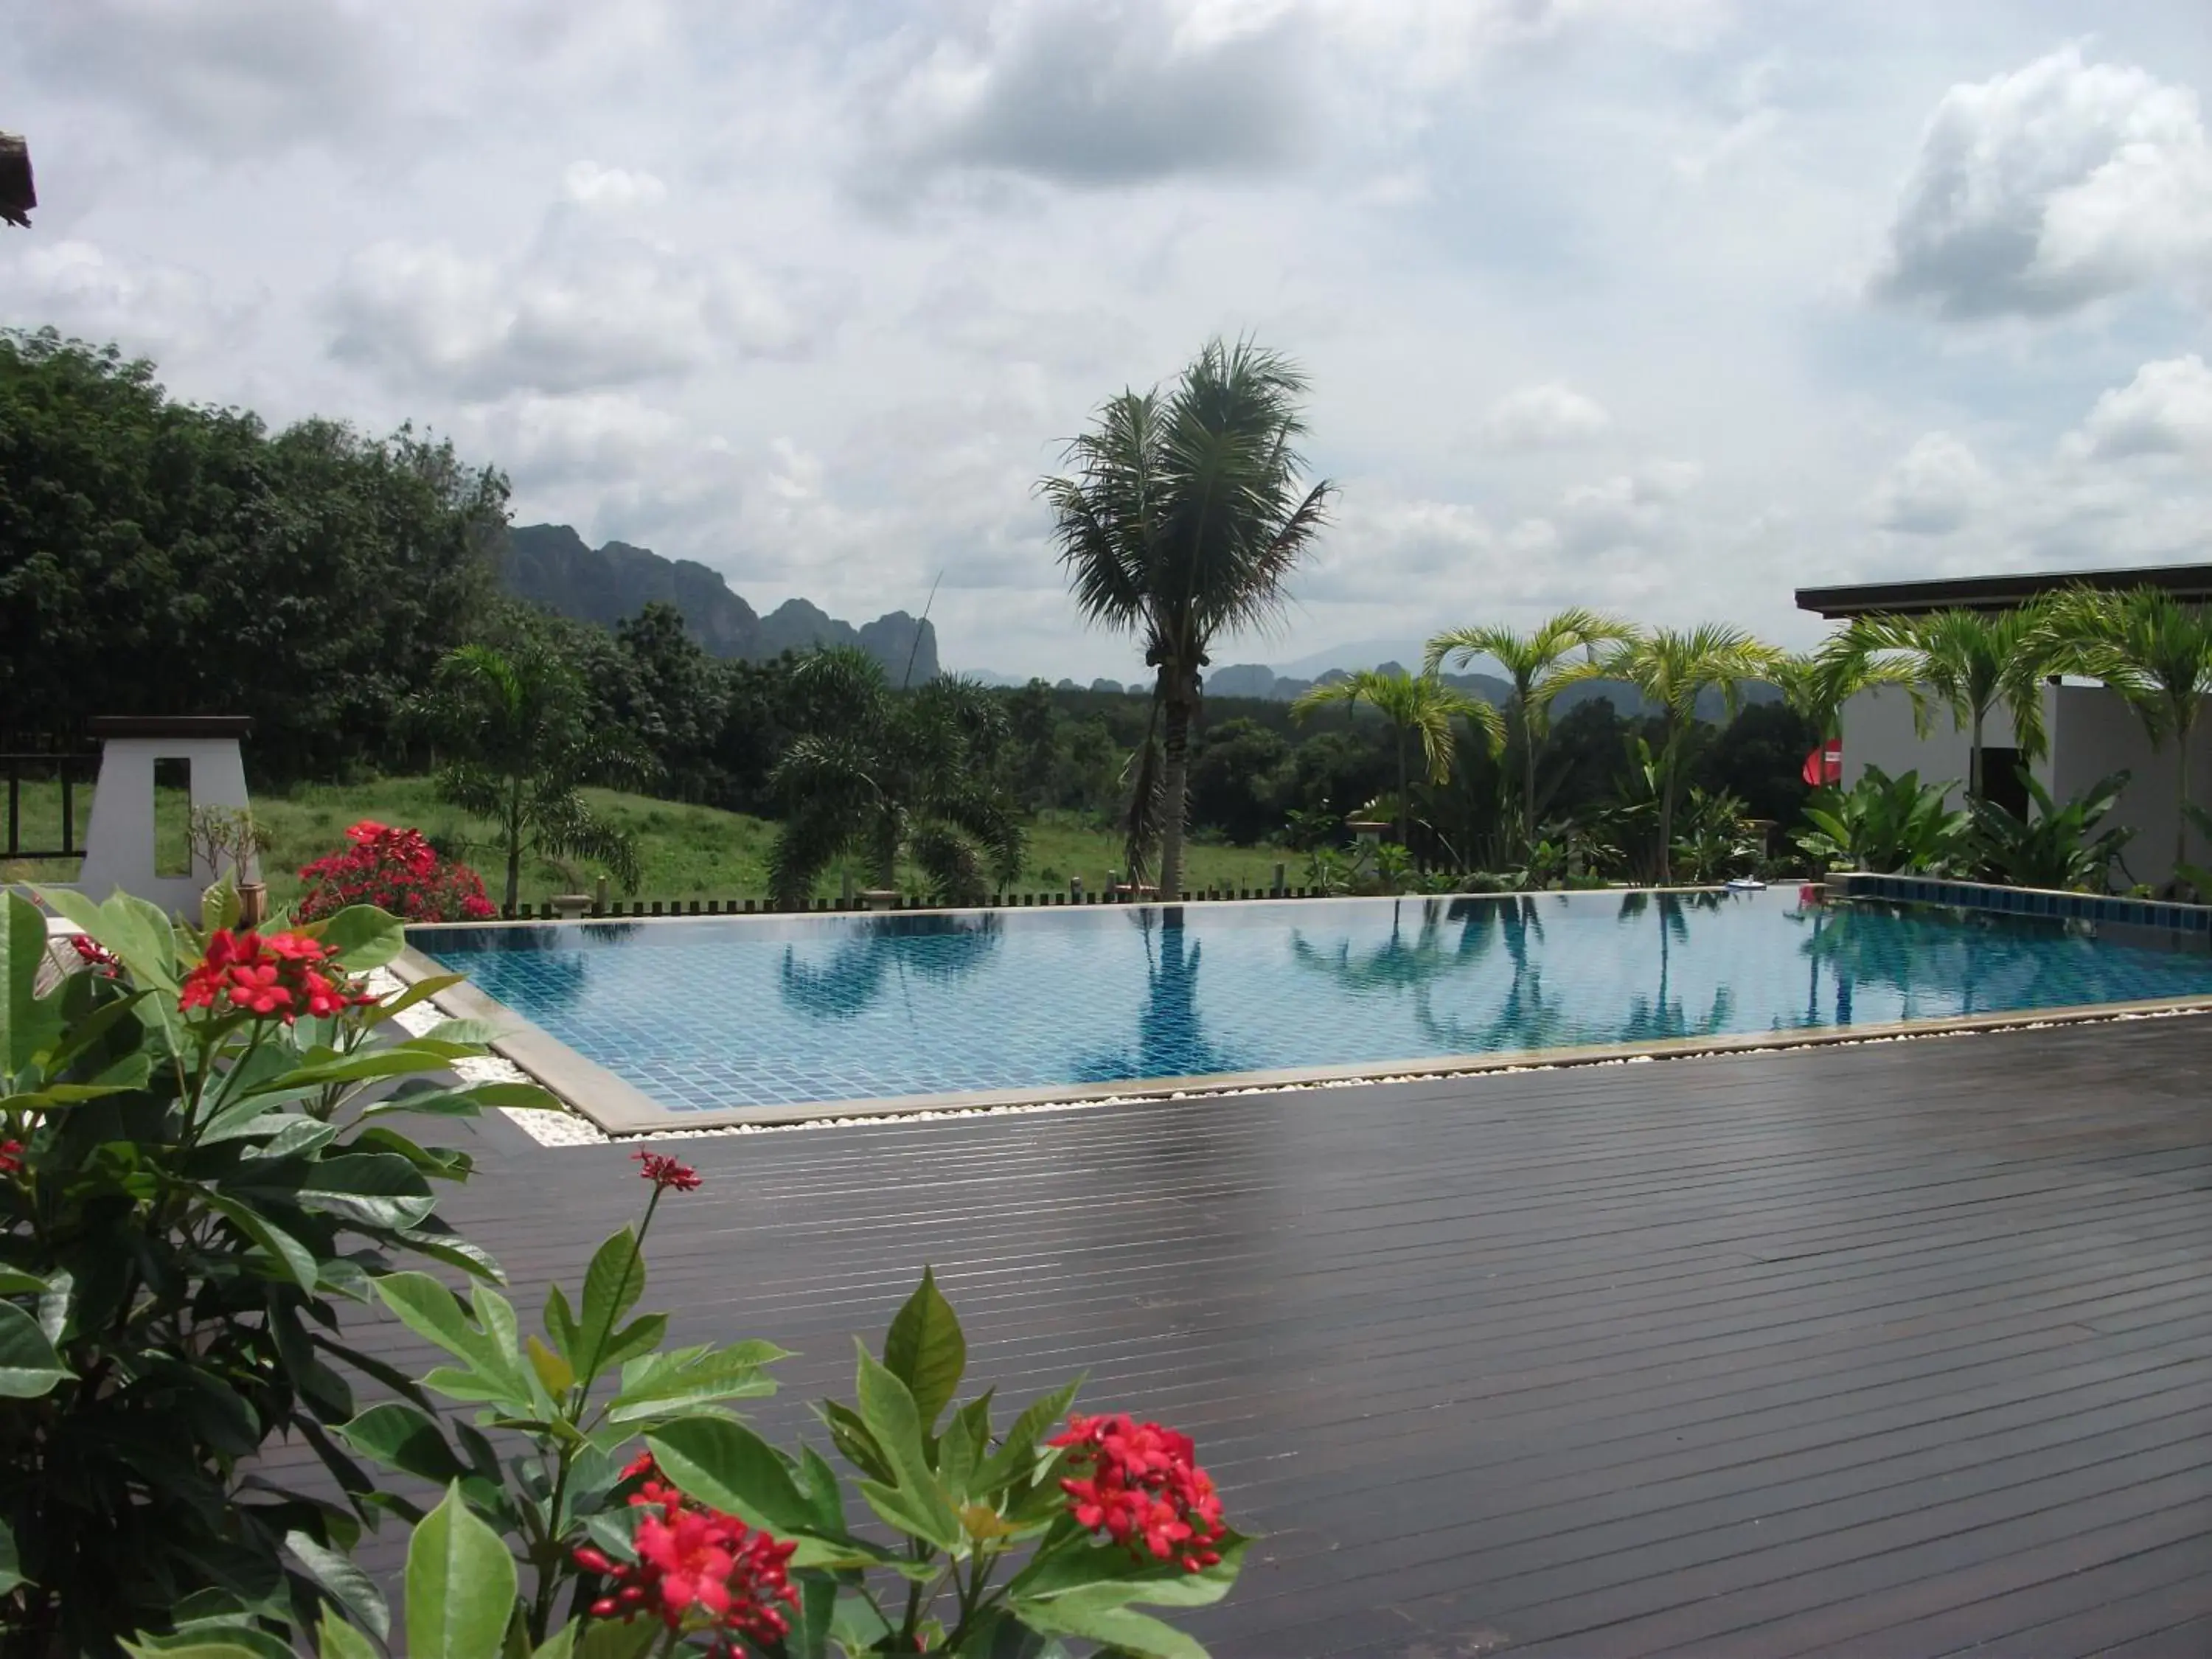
[(688, 852)]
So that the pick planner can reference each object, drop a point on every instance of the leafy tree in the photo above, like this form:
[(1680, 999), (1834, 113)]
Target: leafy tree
[(2156, 652), (1972, 661), (1537, 664), (1183, 516), (1414, 706), (1759, 757), (516, 724), (887, 775), (1671, 668), (1232, 778)]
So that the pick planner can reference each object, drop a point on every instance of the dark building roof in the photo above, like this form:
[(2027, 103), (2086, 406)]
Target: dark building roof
[(2192, 583)]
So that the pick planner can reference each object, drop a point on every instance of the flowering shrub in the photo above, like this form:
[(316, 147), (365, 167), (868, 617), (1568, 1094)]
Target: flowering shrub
[(696, 1567), (189, 1187), (399, 872), (1140, 1485)]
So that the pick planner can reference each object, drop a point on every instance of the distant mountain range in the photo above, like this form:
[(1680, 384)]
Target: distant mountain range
[(549, 564)]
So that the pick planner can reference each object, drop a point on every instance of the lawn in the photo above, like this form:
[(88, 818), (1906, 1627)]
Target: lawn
[(688, 852)]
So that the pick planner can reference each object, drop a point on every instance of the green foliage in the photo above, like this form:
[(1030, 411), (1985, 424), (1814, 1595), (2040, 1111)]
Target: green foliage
[(199, 1190), (1971, 661), (1891, 825), (516, 726), (1416, 707), (885, 776), (1711, 842), (333, 568), (1183, 516), (2054, 846)]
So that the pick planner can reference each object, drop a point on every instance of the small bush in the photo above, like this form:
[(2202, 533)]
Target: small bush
[(399, 872)]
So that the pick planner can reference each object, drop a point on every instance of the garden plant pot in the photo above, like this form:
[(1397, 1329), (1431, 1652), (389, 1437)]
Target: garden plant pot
[(252, 903)]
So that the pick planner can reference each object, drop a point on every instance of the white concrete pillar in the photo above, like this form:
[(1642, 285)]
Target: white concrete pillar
[(119, 839)]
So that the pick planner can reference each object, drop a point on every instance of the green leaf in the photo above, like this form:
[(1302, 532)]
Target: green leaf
[(138, 932), (962, 1447), (11, 1564), (406, 1439), (612, 1285), (362, 936), (926, 1349), (28, 1365), (614, 1638), (555, 1372), (1109, 1624), (726, 1465), (14, 1281), (854, 1442), (560, 1322), (916, 1504), (345, 1584), (29, 1027), (420, 991), (1016, 1454), (336, 1639), (432, 1312), (562, 1645), (376, 1189), (716, 1375), (460, 1584), (297, 1260), (232, 1644), (641, 1335)]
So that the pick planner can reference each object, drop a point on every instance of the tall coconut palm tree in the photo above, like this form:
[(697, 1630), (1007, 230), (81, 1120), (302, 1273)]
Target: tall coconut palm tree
[(516, 725), (1183, 515), (1672, 669), (1412, 706), (889, 774), (1537, 664), (1971, 661), (2156, 652)]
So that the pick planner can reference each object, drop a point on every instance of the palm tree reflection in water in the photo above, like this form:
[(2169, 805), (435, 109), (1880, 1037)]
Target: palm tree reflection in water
[(884, 952), (1171, 1040), (1662, 1017), (1418, 962)]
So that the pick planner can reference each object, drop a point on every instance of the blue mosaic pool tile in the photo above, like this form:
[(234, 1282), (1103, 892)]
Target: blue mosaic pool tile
[(734, 1013)]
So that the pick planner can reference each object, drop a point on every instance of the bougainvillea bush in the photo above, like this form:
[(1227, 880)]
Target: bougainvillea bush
[(397, 872), (198, 1166), (642, 1516)]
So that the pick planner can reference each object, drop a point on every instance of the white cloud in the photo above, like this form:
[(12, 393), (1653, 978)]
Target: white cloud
[(590, 185), (1540, 417), (146, 304), (1934, 489), (2040, 190), (2166, 410)]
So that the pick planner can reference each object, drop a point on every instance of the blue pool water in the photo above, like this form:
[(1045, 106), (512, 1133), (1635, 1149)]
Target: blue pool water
[(716, 1014)]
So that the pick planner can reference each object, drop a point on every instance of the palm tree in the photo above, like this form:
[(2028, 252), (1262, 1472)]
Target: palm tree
[(517, 722), (1671, 668), (1818, 682), (1537, 664), (1413, 705), (1184, 513), (887, 775), (1974, 661), (2156, 652)]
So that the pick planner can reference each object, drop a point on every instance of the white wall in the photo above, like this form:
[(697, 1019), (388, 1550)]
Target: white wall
[(1878, 730)]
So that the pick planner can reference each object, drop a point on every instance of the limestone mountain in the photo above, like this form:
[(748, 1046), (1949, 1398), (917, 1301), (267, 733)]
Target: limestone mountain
[(551, 565)]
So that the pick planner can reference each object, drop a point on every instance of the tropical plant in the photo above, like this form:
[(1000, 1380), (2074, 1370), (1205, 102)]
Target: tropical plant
[(231, 834), (887, 775), (1889, 825), (1672, 669), (2054, 846), (398, 872), (2156, 652), (516, 723), (1818, 684), (1971, 661), (1711, 842), (1536, 664), (1414, 706), (708, 1537), (190, 1182), (1183, 516)]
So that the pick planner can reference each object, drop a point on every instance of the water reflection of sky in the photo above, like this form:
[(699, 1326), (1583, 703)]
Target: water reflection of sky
[(714, 1013)]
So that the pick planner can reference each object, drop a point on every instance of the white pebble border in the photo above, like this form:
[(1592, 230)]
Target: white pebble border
[(568, 1128)]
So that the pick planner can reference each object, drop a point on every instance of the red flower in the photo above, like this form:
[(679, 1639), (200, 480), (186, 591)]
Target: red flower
[(665, 1172), (696, 1566), (11, 1158), (94, 955), (281, 976), (397, 870), (1140, 1484)]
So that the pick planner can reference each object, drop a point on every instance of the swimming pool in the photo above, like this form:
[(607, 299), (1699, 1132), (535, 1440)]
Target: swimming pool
[(742, 1017)]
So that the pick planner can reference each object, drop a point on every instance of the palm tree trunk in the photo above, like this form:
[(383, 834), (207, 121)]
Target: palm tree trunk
[(1974, 759), (1667, 808), (2180, 803), (1404, 792), (1174, 777), (1528, 779), (514, 847)]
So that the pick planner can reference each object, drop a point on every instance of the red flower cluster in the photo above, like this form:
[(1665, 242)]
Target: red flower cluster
[(667, 1172), (694, 1560), (396, 871), (94, 955), (281, 976), (11, 1158), (1140, 1485)]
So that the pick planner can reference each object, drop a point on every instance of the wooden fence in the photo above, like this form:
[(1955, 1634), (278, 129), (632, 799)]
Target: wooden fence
[(731, 907)]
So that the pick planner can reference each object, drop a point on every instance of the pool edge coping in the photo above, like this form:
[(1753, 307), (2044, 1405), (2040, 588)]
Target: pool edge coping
[(619, 1107)]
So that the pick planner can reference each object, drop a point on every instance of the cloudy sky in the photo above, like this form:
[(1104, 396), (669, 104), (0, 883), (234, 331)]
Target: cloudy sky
[(1669, 306)]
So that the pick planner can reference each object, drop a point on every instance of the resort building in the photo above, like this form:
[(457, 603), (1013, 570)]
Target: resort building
[(2090, 732)]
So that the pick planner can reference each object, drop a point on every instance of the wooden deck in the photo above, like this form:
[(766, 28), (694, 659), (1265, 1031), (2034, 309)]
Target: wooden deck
[(1895, 1350)]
